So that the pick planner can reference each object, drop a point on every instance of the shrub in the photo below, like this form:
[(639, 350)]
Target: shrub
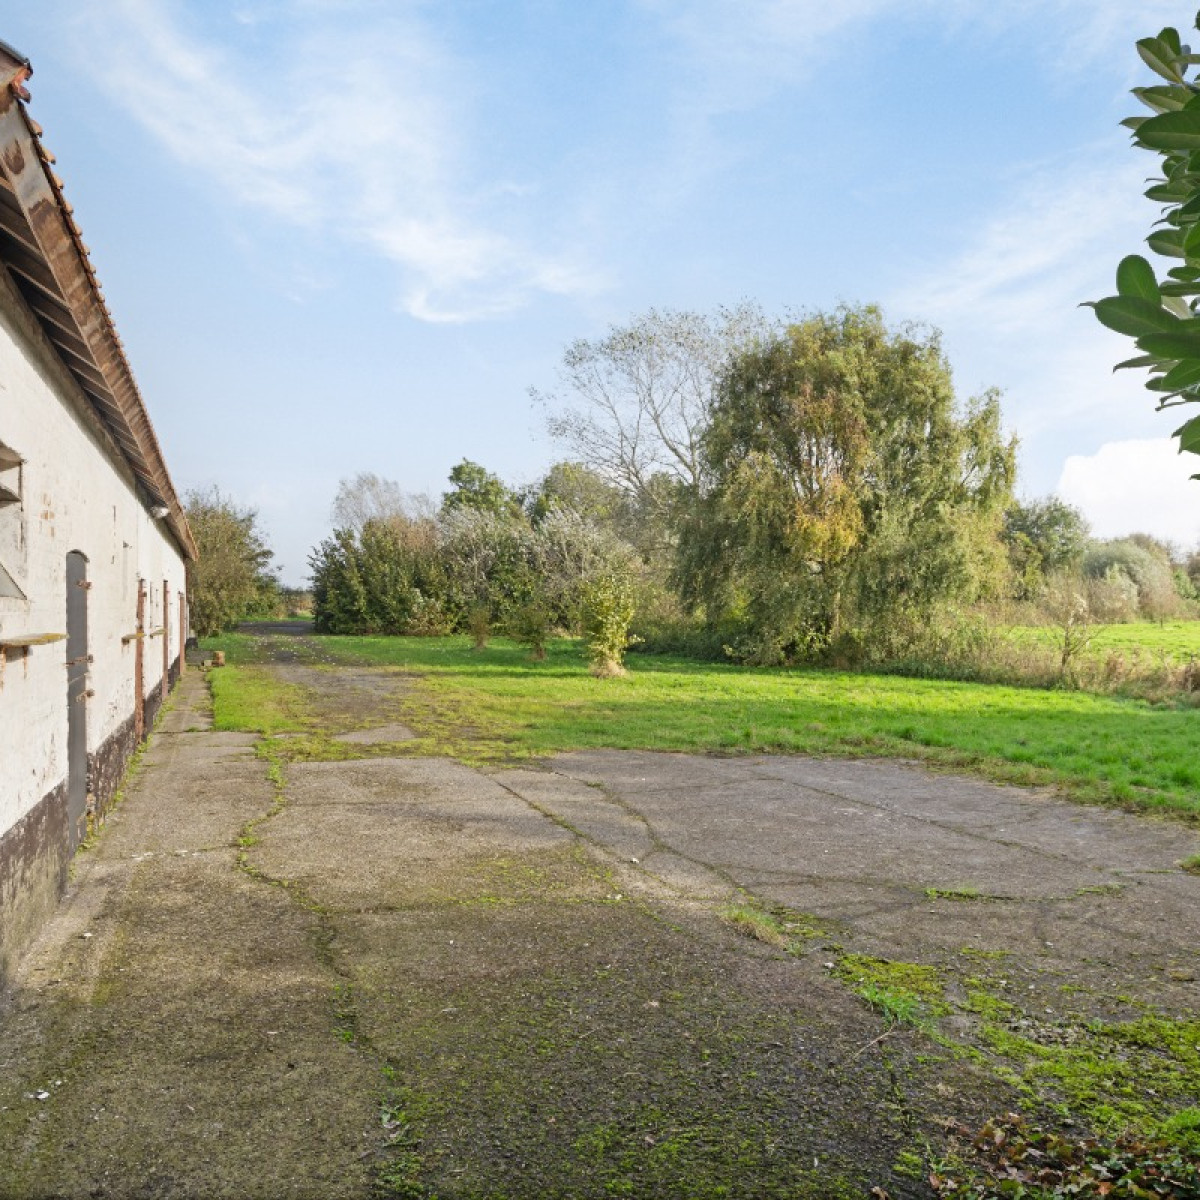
[(608, 610), (1113, 598), (479, 625), (1149, 569), (530, 624)]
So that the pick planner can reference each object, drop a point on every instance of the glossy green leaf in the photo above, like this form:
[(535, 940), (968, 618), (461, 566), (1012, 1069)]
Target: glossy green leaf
[(1170, 38), (1135, 123), (1143, 360), (1180, 289), (1135, 279), (1160, 58), (1167, 242), (1179, 346), (1171, 131), (1185, 274), (1189, 436), (1169, 193), (1164, 99), (1191, 241), (1184, 375), (1134, 317)]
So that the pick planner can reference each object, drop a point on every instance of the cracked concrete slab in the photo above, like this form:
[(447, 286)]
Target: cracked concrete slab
[(918, 864)]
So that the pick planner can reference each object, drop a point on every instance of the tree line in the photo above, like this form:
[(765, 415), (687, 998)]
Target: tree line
[(773, 490)]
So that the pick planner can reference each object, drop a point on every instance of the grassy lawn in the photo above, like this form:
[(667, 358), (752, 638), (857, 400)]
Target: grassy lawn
[(496, 704), (1173, 641)]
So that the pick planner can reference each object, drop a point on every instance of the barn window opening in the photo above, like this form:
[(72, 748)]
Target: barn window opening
[(12, 522)]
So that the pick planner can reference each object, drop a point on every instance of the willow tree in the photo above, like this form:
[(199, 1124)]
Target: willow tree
[(1161, 314), (843, 485)]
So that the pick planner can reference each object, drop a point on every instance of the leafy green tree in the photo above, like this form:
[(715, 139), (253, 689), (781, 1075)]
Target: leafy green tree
[(231, 575), (474, 487), (338, 587), (383, 578), (1161, 315), (530, 624), (1192, 568), (1044, 537), (843, 482), (577, 488)]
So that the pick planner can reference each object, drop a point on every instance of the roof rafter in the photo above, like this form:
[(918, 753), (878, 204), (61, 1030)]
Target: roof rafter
[(41, 245)]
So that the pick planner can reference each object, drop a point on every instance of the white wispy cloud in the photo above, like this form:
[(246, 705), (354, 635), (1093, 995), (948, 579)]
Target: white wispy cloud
[(1008, 298), (352, 128), (1008, 302), (765, 41), (1141, 485)]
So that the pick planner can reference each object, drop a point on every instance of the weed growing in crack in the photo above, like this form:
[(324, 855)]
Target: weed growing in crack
[(772, 925), (955, 893)]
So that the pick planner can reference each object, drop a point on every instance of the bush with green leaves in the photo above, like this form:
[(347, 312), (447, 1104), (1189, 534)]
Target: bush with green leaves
[(1043, 537), (1151, 574), (1112, 597), (608, 608), (1162, 315), (530, 625), (383, 578), (476, 564)]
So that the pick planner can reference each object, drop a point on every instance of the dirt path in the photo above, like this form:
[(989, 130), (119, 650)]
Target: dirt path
[(403, 977)]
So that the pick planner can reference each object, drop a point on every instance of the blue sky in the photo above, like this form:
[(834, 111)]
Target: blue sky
[(349, 235)]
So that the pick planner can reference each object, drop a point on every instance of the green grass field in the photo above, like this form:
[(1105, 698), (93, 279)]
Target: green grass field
[(1172, 641), (497, 704)]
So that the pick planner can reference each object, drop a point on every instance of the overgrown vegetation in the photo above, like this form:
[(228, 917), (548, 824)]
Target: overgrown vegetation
[(805, 492), (846, 494), (486, 559)]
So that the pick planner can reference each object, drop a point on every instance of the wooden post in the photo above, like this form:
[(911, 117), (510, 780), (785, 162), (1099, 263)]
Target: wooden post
[(139, 665)]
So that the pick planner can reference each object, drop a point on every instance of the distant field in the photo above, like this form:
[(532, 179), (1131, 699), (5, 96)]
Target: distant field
[(496, 704), (1173, 641)]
